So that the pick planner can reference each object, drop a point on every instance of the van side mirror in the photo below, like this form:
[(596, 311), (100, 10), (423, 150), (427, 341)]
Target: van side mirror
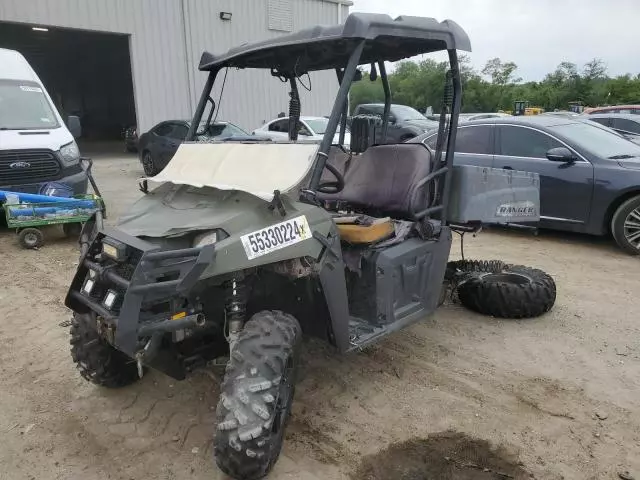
[(561, 154), (74, 126)]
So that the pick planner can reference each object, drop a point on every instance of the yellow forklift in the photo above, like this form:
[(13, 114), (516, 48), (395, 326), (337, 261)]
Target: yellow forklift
[(521, 107)]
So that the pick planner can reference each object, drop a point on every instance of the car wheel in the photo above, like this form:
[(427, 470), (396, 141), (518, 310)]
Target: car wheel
[(149, 164), (625, 226)]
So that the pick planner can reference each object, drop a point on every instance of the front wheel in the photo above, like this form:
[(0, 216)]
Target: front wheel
[(98, 361), (257, 394), (625, 226), (149, 165)]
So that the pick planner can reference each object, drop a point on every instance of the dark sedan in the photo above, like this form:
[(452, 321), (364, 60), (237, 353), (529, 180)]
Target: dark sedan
[(159, 144), (589, 175)]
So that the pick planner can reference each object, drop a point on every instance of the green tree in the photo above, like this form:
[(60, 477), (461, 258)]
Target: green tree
[(501, 73), (421, 84)]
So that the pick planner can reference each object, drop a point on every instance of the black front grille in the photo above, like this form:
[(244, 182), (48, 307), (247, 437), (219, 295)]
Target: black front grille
[(28, 166)]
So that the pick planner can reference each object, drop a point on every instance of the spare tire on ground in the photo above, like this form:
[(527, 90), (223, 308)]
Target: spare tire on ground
[(501, 290)]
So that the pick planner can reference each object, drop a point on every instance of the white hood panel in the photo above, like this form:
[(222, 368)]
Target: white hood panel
[(48, 139)]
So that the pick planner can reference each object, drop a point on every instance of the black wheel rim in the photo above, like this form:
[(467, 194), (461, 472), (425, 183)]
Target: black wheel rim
[(147, 164), (632, 228)]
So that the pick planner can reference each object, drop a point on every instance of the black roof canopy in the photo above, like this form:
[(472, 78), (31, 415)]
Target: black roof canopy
[(329, 47)]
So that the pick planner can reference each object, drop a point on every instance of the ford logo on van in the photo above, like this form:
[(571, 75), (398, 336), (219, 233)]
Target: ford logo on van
[(20, 165)]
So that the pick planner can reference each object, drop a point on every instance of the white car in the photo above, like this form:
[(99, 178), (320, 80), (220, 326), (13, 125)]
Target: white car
[(311, 129)]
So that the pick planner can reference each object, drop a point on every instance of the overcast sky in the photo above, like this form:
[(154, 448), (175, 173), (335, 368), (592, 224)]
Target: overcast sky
[(536, 34)]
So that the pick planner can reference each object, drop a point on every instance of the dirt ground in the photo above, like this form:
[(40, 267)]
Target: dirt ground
[(456, 396)]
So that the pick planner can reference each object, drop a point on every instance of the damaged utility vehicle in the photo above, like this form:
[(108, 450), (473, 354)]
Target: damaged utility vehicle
[(247, 244)]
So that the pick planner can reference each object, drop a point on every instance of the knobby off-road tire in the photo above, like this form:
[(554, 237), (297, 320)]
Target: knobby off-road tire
[(256, 397), (97, 361), (505, 291)]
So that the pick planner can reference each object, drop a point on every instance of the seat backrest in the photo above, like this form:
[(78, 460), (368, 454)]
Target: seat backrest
[(384, 178)]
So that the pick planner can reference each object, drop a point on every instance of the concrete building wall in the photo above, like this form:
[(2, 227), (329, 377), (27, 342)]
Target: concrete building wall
[(167, 38)]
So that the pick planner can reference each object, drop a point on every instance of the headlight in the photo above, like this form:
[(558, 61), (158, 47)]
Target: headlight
[(110, 299), (88, 286), (70, 153), (114, 249)]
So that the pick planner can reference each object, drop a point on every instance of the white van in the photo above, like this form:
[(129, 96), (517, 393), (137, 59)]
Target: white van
[(36, 147)]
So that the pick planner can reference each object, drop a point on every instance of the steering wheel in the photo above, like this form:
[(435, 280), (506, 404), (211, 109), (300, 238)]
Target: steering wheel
[(332, 187)]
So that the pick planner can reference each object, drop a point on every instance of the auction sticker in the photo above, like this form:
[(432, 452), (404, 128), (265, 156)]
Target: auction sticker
[(275, 237)]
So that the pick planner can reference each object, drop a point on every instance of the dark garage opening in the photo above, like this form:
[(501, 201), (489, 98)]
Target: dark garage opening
[(87, 74)]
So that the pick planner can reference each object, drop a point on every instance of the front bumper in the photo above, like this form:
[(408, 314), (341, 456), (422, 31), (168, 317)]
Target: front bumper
[(77, 181), (149, 276)]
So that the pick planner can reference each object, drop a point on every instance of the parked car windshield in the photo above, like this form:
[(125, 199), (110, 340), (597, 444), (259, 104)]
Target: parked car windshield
[(318, 125), (220, 130), (598, 140), (23, 105), (225, 130), (402, 112)]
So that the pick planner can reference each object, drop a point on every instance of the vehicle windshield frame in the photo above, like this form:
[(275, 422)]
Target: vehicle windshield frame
[(364, 39), (33, 88)]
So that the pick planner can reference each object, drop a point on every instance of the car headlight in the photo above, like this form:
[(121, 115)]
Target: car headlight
[(70, 153)]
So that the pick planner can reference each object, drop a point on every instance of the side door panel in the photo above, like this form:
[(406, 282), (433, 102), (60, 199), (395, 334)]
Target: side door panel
[(566, 189), (175, 138), (475, 145), (157, 141), (279, 129), (167, 146)]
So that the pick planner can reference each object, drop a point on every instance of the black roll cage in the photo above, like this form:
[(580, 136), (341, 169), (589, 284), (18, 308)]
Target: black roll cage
[(360, 53)]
